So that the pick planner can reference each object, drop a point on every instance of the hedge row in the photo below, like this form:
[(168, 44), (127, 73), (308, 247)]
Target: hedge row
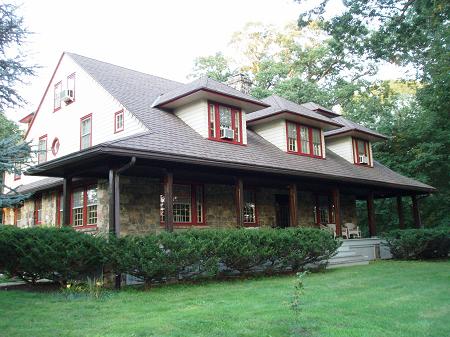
[(419, 244), (64, 254)]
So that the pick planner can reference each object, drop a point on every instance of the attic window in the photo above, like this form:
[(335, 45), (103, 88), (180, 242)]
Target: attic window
[(304, 140), (57, 96), (42, 149), (225, 123), (118, 121)]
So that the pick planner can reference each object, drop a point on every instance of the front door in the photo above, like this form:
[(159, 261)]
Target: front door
[(282, 209)]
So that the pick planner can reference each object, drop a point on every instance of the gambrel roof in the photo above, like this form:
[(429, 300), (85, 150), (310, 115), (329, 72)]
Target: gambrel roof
[(169, 137)]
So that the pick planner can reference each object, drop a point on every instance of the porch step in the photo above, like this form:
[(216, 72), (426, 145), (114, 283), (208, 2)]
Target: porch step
[(347, 257)]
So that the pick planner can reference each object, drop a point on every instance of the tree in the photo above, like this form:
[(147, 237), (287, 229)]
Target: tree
[(215, 66), (14, 151), (416, 34)]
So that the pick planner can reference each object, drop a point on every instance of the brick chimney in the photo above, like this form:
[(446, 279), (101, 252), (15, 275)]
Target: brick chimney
[(240, 82)]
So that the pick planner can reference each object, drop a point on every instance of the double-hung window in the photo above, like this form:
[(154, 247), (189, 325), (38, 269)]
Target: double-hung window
[(187, 204), (84, 206), (57, 96), (361, 152), (118, 121), (304, 140), (42, 149), (224, 123), (249, 208), (86, 132)]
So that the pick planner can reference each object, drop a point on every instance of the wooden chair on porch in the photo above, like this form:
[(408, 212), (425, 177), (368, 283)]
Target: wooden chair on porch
[(352, 230), (331, 227)]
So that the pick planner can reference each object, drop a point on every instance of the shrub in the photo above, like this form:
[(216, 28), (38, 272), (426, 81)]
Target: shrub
[(52, 253), (210, 253), (417, 244)]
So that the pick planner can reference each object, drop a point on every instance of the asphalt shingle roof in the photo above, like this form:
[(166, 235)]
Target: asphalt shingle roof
[(279, 104), (348, 125), (170, 135), (204, 83)]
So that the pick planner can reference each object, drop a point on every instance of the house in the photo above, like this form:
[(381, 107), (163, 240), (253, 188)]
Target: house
[(126, 152)]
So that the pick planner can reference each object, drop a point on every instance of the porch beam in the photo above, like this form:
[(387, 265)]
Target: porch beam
[(416, 212), (239, 198), (293, 202), (337, 210), (401, 217), (67, 186), (168, 201), (371, 215)]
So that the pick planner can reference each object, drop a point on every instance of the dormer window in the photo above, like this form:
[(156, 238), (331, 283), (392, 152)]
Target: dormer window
[(304, 140), (225, 123), (361, 152)]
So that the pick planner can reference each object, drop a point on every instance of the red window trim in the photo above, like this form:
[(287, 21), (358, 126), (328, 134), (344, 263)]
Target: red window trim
[(85, 188), (36, 221), (217, 123), (81, 121), (46, 143), (67, 86), (58, 84), (356, 152), (256, 222), (299, 145), (193, 221), (116, 130)]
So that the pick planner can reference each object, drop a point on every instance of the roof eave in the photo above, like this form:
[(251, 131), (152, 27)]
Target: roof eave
[(251, 121), (339, 133)]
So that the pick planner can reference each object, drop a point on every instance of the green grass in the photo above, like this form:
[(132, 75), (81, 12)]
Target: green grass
[(382, 299)]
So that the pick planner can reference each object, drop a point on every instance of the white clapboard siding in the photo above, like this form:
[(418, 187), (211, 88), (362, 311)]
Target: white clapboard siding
[(64, 124), (274, 132), (342, 146)]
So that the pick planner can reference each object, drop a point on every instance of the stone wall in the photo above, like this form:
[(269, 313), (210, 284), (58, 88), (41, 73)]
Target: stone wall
[(139, 205), (306, 204), (348, 209)]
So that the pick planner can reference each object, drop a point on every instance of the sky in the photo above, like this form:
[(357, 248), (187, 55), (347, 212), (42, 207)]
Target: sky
[(159, 37)]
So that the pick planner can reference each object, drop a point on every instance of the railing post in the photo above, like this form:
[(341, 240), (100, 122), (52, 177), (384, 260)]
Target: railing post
[(337, 210), (371, 215), (239, 198), (67, 186), (401, 218), (416, 212), (168, 201), (293, 202)]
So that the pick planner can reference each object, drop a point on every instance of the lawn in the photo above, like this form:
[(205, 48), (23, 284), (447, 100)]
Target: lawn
[(383, 299)]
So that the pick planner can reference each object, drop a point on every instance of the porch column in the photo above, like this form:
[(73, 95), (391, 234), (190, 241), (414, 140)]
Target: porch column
[(67, 182), (239, 198), (416, 212), (371, 215), (168, 201), (337, 210), (401, 218), (293, 202)]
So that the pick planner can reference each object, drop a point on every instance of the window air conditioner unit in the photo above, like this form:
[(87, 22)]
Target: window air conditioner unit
[(363, 159), (226, 133), (67, 96)]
